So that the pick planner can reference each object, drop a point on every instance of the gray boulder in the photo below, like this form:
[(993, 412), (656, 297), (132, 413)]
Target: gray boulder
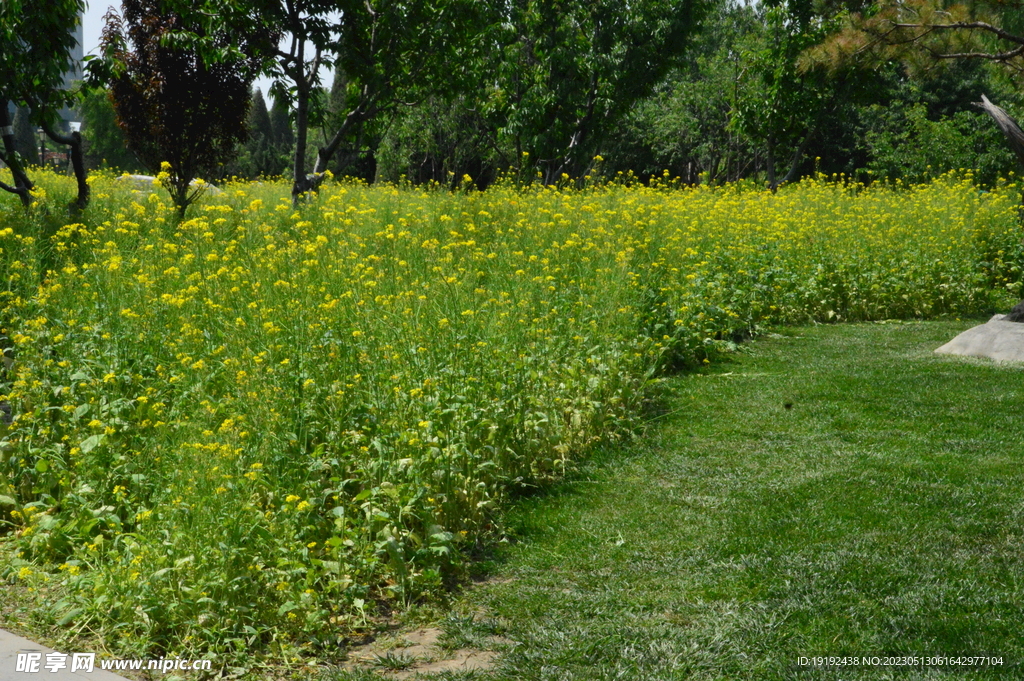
[(997, 339), (147, 183)]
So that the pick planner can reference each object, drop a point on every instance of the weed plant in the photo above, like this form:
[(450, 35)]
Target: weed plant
[(261, 427)]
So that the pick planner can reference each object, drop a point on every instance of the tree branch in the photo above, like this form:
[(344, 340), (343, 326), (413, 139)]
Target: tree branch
[(20, 191), (285, 56), (966, 25), (1002, 56), (22, 184), (1007, 125), (74, 141), (364, 111)]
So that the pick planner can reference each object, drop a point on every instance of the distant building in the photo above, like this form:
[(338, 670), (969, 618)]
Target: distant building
[(75, 72)]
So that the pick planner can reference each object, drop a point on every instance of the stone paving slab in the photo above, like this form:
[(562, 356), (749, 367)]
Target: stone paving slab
[(996, 339), (11, 646)]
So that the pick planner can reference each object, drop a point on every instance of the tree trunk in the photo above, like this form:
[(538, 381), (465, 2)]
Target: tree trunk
[(74, 141), (1015, 137), (354, 118), (1009, 127), (770, 156), (22, 185), (798, 156), (300, 183), (304, 183)]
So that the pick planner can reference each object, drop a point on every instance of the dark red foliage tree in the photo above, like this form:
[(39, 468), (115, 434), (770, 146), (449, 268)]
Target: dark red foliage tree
[(174, 106)]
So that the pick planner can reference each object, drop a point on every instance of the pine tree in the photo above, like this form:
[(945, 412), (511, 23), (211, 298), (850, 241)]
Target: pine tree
[(281, 126), (259, 118), (261, 157), (337, 101)]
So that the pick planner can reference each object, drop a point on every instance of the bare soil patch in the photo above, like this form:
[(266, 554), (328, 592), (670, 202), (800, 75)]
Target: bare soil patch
[(418, 653)]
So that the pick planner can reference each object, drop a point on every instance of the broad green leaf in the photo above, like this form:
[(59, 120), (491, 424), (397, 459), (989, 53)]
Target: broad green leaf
[(90, 443)]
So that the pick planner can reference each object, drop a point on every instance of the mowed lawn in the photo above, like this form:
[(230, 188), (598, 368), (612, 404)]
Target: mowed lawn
[(830, 491)]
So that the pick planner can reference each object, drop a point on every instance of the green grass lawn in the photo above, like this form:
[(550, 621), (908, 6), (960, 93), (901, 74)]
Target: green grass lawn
[(880, 513)]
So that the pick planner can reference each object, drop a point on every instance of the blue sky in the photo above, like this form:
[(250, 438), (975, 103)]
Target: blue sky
[(92, 23)]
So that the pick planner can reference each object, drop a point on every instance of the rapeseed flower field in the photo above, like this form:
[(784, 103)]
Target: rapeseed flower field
[(261, 427)]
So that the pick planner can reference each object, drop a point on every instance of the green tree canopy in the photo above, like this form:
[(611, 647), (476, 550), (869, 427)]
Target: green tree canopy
[(564, 74), (393, 52), (281, 125), (684, 126), (260, 156), (105, 143), (36, 41), (780, 106)]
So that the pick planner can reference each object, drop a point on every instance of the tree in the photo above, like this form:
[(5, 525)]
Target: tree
[(921, 127), (566, 73), (781, 107), (921, 31), (684, 126), (393, 52), (105, 142), (259, 117), (260, 156), (281, 126), (35, 53), (174, 106), (355, 155), (441, 140), (264, 155)]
